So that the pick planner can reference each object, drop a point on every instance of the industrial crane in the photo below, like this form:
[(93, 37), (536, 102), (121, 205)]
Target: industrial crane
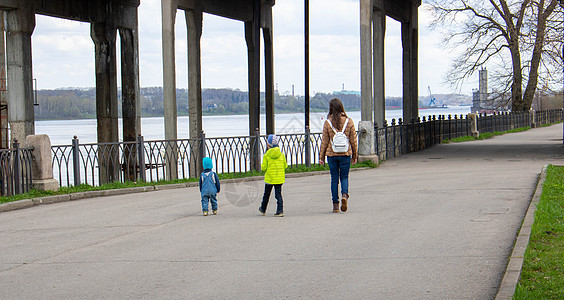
[(431, 98)]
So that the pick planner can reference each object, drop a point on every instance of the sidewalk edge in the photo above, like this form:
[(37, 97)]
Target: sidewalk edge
[(513, 270), (26, 203)]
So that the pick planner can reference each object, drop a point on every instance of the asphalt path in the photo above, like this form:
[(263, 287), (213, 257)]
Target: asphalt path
[(437, 224)]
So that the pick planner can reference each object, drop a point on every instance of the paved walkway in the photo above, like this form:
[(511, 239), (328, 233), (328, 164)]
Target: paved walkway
[(438, 224)]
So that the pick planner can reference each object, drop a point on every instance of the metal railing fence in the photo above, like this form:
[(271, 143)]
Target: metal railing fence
[(401, 138), (15, 170), (95, 164)]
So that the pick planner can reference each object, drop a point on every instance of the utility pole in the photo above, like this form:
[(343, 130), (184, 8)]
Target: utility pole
[(4, 139), (562, 4), (306, 98)]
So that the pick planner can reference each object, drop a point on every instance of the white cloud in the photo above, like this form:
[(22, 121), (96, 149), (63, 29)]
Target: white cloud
[(64, 53)]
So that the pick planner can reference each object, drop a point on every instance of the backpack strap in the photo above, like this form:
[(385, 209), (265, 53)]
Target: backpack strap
[(331, 124), (344, 126)]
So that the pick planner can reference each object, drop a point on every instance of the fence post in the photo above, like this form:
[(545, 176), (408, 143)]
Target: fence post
[(255, 151), (202, 153), (474, 125), (394, 137), (17, 169), (76, 161), (141, 158), (532, 118), (307, 147), (386, 139), (376, 142)]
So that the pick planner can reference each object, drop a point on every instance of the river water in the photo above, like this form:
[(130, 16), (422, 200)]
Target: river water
[(61, 132)]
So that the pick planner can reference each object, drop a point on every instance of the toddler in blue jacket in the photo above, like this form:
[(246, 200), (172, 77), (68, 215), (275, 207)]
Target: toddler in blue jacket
[(209, 186)]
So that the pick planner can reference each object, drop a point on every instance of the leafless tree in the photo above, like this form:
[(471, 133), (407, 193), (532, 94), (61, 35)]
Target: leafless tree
[(518, 40)]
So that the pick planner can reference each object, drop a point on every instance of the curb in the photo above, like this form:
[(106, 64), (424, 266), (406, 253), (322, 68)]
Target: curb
[(513, 271), (26, 203)]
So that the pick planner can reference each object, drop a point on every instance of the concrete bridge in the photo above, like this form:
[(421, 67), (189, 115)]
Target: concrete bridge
[(109, 17)]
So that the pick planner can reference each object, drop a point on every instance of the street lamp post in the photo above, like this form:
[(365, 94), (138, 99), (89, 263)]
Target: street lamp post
[(306, 96), (562, 4)]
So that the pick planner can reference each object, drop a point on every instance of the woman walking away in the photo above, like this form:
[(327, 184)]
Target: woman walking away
[(339, 131)]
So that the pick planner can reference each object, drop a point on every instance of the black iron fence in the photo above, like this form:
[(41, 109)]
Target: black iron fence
[(400, 138), (15, 170), (95, 164)]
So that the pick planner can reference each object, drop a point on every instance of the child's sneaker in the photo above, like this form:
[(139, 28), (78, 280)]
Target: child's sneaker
[(205, 213), (214, 212), (279, 214), (261, 211)]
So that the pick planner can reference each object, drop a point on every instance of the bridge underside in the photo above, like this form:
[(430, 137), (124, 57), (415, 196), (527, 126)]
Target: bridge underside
[(256, 14), (372, 32), (106, 18)]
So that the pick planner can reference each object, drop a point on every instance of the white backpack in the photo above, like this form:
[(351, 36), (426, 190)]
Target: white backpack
[(340, 142)]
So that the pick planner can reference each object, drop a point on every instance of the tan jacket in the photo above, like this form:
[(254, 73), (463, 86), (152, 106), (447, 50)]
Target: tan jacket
[(328, 133)]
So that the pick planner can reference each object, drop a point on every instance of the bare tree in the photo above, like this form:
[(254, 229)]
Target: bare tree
[(500, 33)]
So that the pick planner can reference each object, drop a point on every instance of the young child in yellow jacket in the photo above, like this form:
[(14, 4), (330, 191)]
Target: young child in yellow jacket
[(274, 164)]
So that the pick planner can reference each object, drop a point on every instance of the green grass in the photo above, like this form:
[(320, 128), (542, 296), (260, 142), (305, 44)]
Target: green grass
[(484, 136), (123, 185), (87, 188), (542, 276)]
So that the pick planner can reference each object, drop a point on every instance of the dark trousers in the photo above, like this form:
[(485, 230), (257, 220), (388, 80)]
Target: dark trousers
[(277, 195)]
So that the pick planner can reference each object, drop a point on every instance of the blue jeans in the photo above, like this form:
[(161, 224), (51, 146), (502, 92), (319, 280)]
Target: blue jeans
[(277, 195), (339, 167), (206, 199)]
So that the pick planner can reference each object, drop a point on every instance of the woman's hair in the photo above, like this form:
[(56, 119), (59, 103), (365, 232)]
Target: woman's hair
[(336, 110)]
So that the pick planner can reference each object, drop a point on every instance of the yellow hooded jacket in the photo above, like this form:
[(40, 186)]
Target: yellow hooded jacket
[(274, 164)]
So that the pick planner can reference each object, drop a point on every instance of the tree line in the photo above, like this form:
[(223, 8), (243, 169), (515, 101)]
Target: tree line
[(80, 103)]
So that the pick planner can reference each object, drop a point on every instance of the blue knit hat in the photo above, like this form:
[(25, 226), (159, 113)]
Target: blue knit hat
[(272, 140), (208, 164)]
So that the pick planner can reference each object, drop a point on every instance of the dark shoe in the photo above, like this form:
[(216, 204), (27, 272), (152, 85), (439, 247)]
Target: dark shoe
[(262, 212), (335, 207), (344, 202), (279, 214)]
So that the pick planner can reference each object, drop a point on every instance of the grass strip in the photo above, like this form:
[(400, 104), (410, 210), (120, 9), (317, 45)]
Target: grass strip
[(542, 276), (484, 136), (128, 184)]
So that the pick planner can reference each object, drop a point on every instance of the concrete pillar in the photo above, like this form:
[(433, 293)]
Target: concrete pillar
[(409, 34), (474, 124), (252, 37), (366, 126), (131, 104), (4, 138), (169, 8), (42, 163), (366, 60), (194, 24), (104, 37), (269, 68), (366, 145), (20, 26), (532, 117), (414, 32), (379, 32)]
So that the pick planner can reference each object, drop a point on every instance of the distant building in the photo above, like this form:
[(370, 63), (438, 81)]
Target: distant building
[(345, 92), (480, 96)]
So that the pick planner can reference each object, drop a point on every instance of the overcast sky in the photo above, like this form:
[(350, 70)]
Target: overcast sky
[(63, 52)]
